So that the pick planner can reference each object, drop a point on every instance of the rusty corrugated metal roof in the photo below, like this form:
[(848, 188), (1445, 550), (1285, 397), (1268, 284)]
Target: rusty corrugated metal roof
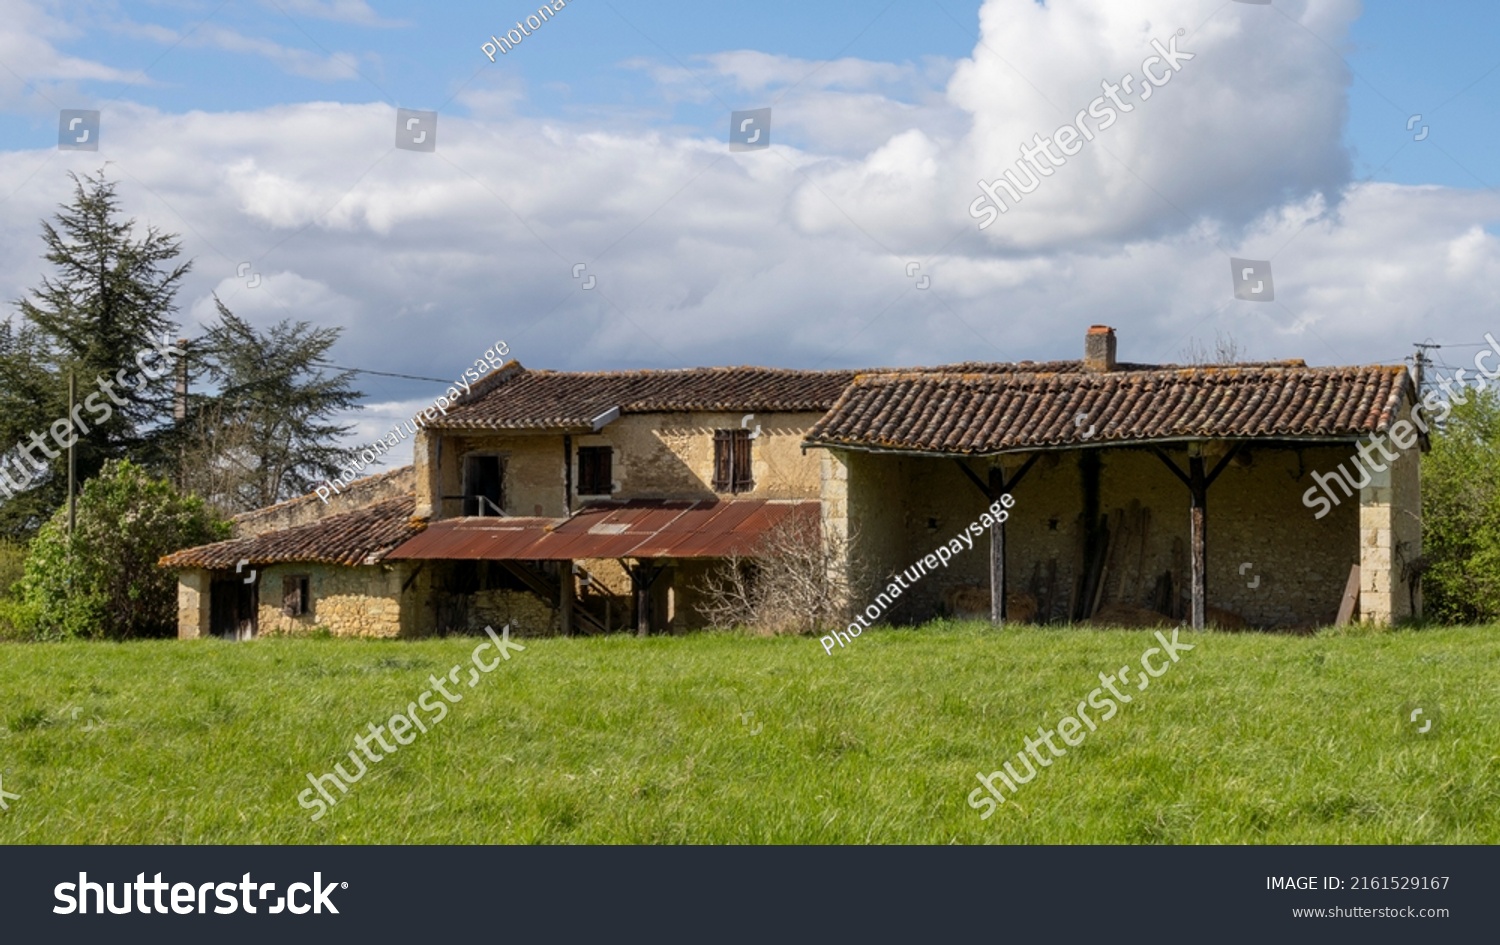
[(639, 528)]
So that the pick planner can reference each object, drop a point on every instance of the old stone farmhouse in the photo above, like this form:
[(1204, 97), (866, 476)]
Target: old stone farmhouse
[(597, 502)]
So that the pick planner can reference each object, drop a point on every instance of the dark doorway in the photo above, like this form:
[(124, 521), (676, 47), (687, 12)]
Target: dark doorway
[(233, 605), (482, 486)]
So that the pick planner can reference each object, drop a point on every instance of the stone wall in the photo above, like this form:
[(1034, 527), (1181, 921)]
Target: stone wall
[(363, 601), (1390, 529), (193, 603), (359, 494), (656, 456)]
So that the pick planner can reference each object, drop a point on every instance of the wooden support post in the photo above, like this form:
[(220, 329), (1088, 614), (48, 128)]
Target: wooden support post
[(997, 553), (642, 576), (1198, 538), (568, 474), (565, 597), (993, 490), (642, 600)]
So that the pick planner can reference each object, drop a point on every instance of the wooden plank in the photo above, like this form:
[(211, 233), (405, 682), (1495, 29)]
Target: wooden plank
[(1075, 594), (1351, 598), (1111, 542), (1140, 557)]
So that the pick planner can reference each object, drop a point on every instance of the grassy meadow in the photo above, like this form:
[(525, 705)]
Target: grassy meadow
[(722, 738)]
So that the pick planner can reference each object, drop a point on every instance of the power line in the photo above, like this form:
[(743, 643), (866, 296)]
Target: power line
[(409, 377)]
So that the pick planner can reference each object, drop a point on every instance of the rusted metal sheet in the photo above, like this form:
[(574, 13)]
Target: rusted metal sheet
[(638, 528)]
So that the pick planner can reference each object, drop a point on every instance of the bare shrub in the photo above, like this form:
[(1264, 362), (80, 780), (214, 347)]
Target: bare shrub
[(795, 581)]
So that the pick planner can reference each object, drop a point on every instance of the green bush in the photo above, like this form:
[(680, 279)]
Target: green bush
[(13, 622), (1461, 514), (104, 581)]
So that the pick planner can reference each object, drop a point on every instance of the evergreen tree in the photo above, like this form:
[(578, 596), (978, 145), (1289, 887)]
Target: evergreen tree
[(265, 436), (111, 296), (30, 400)]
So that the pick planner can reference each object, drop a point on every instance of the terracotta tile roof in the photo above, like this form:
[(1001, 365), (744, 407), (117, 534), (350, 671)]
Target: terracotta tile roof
[(349, 538), (971, 413), (515, 398)]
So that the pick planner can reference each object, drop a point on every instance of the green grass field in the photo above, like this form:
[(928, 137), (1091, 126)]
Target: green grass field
[(719, 738)]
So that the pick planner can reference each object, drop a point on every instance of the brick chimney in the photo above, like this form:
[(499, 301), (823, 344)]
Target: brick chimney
[(1099, 349)]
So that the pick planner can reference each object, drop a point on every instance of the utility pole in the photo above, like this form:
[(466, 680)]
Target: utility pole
[(1420, 362)]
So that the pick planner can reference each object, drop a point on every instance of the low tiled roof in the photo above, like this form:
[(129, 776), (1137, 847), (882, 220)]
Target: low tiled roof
[(953, 412), (520, 399), (350, 538)]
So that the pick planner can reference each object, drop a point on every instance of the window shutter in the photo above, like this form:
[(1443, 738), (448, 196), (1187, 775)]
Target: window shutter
[(723, 460), (595, 472), (742, 479)]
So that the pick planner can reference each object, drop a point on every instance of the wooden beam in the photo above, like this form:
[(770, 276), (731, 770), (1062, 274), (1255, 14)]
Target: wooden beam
[(1223, 462), (1020, 473), (1172, 465), (979, 484)]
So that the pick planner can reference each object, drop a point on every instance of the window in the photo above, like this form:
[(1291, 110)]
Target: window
[(732, 461), (294, 597), (482, 486), (595, 470)]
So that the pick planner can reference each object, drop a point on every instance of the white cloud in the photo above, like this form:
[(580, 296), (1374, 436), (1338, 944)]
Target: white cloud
[(33, 71), (799, 257)]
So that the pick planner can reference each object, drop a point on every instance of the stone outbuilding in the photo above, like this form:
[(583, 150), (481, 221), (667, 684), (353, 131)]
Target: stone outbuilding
[(563, 502), (1138, 487)]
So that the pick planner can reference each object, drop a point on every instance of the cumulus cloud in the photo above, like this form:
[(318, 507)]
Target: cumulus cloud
[(802, 255)]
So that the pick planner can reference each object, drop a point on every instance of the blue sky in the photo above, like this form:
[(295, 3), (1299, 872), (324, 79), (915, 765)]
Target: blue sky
[(261, 131), (1439, 60)]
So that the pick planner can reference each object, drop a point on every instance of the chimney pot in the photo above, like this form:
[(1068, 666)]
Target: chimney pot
[(1099, 349)]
